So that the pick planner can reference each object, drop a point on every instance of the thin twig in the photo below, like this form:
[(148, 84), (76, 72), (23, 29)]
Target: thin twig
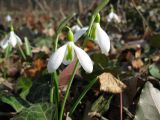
[(95, 114), (8, 114), (121, 107)]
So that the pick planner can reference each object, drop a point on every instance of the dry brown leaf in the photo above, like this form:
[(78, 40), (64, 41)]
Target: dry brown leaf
[(137, 63), (66, 74), (38, 65), (44, 49), (109, 83)]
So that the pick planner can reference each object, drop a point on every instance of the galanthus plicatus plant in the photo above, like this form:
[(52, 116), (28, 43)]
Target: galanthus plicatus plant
[(70, 51), (11, 39), (66, 54)]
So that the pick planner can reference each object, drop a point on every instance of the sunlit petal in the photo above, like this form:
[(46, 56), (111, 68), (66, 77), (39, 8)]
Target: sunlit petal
[(19, 41), (102, 39), (113, 17), (12, 39), (79, 33), (84, 59), (56, 59), (75, 28)]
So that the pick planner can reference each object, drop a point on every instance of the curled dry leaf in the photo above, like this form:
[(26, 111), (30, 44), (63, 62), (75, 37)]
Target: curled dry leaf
[(137, 63), (38, 65), (109, 83)]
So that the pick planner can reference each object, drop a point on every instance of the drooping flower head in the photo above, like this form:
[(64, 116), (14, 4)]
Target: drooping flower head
[(97, 34), (67, 53), (8, 18), (11, 39), (101, 37), (113, 16)]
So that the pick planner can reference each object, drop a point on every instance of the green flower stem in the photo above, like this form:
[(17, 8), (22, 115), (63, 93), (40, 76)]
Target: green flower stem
[(68, 89), (56, 42), (86, 89), (21, 51), (54, 91)]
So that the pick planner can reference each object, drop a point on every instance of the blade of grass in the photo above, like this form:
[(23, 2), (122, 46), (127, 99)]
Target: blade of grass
[(27, 47), (64, 22), (68, 89)]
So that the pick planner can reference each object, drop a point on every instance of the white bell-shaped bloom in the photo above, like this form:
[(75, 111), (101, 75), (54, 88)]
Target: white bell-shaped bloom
[(75, 28), (66, 54), (79, 33), (113, 17), (8, 18), (11, 39), (102, 39)]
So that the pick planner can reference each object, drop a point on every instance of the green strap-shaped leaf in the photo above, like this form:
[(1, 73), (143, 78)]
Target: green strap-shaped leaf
[(27, 47), (64, 22), (149, 104), (100, 7)]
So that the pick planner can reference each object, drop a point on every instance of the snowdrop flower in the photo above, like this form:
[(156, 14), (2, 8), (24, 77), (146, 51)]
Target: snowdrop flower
[(10, 39), (79, 33), (66, 54), (8, 18), (113, 17), (100, 36), (75, 28)]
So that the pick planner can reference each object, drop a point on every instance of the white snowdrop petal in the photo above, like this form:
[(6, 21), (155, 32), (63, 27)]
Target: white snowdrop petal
[(79, 33), (19, 41), (56, 59), (8, 18), (75, 28), (110, 16), (103, 40), (12, 39), (113, 17), (116, 18), (84, 59)]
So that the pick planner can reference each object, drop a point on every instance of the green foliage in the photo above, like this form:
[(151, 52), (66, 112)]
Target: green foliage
[(148, 106), (27, 47), (81, 96), (39, 92), (43, 41), (64, 22), (40, 111), (13, 101), (24, 84), (155, 41), (101, 105), (154, 70)]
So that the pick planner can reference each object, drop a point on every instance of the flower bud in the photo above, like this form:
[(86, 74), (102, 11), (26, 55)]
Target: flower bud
[(70, 36)]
